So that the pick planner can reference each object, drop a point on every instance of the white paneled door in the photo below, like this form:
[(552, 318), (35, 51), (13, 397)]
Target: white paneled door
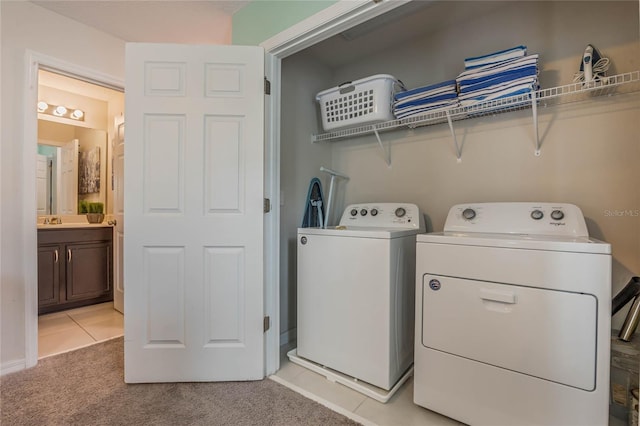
[(118, 216), (193, 260), (69, 184), (42, 184)]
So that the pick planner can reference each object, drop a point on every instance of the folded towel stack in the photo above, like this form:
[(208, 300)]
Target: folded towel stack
[(498, 75), (427, 99)]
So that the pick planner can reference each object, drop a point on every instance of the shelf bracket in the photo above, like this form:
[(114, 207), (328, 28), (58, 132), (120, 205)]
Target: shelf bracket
[(385, 152), (455, 139), (534, 109)]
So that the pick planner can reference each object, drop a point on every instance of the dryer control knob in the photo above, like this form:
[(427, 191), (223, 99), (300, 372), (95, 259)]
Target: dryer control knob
[(468, 214), (354, 212), (557, 215), (363, 212), (374, 212), (400, 212), (537, 215)]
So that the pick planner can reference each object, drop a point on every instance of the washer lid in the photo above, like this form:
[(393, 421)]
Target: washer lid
[(518, 241), (359, 232)]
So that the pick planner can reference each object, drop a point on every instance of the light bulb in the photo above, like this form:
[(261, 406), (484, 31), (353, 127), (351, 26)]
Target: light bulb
[(42, 106), (59, 111), (77, 114)]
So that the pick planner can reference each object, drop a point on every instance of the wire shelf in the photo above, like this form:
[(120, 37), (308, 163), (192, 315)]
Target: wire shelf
[(574, 92)]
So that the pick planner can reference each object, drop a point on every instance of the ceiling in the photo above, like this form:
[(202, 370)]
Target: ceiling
[(151, 21), (402, 25)]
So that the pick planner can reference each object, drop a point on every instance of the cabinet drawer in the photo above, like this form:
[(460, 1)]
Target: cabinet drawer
[(76, 235)]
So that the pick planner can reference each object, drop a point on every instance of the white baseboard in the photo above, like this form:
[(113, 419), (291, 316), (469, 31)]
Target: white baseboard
[(288, 336), (12, 366)]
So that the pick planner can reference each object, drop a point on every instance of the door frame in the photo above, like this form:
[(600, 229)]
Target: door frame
[(331, 21), (328, 22)]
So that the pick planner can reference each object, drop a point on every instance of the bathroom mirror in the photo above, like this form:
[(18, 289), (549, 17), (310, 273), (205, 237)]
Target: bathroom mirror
[(71, 167)]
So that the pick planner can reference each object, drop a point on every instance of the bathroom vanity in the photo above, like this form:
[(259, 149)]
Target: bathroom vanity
[(74, 266)]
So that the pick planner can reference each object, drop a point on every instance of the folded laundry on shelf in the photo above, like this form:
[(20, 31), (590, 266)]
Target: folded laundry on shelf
[(501, 79), (502, 55), (432, 98)]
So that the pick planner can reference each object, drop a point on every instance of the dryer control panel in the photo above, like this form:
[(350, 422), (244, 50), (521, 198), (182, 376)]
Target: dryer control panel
[(383, 215), (557, 219)]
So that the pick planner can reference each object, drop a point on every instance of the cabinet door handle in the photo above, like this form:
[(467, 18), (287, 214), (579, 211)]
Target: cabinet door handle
[(55, 256), (69, 255)]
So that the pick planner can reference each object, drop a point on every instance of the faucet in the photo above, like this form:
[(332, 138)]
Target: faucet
[(53, 220)]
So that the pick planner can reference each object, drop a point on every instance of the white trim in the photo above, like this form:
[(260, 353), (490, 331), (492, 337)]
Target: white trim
[(12, 366), (333, 20), (272, 219), (33, 62)]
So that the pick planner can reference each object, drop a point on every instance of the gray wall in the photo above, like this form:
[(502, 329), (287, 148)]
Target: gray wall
[(299, 162), (590, 150)]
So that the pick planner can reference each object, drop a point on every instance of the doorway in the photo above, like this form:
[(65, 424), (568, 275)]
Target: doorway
[(94, 107)]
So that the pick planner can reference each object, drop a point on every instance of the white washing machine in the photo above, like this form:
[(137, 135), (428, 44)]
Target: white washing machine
[(513, 308), (356, 293)]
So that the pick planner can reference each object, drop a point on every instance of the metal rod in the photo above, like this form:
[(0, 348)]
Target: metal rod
[(534, 107), (455, 139), (631, 321)]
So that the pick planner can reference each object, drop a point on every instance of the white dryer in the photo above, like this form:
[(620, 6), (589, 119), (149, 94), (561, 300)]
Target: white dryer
[(356, 293), (513, 308)]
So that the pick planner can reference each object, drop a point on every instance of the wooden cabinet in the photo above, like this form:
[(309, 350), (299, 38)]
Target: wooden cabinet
[(74, 267)]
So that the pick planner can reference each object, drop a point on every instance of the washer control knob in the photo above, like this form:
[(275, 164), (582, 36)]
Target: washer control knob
[(354, 212), (537, 215), (400, 212), (468, 214), (557, 215), (363, 212), (374, 212)]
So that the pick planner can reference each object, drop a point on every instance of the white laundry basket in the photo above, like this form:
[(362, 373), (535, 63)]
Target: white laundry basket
[(365, 101)]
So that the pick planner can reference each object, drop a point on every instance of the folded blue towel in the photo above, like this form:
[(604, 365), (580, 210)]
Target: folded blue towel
[(499, 67), (514, 52), (425, 101), (416, 111), (512, 85), (427, 90), (493, 80), (513, 91)]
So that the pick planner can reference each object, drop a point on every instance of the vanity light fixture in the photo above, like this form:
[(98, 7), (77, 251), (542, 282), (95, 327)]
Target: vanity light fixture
[(60, 111)]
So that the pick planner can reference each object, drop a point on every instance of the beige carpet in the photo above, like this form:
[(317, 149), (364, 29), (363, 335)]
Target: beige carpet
[(86, 387)]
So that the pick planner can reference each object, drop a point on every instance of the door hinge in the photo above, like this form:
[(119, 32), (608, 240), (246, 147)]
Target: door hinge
[(266, 323), (267, 205), (267, 86)]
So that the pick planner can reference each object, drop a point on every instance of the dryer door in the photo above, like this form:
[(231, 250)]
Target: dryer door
[(547, 334)]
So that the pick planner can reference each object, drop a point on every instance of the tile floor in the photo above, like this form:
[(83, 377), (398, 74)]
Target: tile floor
[(399, 410), (73, 329)]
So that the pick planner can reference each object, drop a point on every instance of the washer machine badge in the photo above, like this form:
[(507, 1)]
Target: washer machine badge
[(434, 285)]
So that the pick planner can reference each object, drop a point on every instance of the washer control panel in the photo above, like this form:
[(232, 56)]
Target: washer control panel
[(383, 215), (518, 218)]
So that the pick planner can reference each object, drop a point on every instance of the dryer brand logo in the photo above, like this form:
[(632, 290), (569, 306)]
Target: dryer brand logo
[(434, 285)]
